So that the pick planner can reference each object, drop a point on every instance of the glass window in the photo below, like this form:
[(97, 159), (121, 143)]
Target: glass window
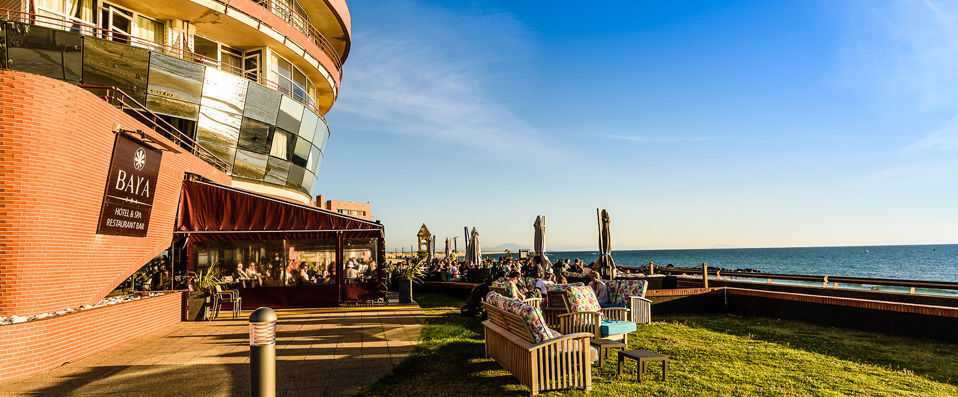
[(44, 51), (250, 165), (206, 51), (301, 154), (262, 104), (322, 135), (281, 73), (290, 114), (151, 31), (307, 186), (315, 157), (360, 257), (254, 136), (224, 91), (283, 144), (276, 171), (319, 257), (175, 78), (307, 128), (295, 178), (219, 127), (171, 107), (231, 60), (221, 152), (251, 64), (115, 64)]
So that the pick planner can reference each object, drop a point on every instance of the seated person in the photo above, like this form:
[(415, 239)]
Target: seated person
[(541, 283), (512, 281), (599, 287), (351, 274), (240, 275)]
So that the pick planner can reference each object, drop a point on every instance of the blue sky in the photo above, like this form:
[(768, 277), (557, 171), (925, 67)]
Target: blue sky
[(696, 124)]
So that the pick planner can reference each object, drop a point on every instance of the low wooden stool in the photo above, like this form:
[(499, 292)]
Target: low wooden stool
[(604, 345), (643, 357)]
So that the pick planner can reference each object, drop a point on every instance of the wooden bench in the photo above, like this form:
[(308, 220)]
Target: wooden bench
[(562, 362)]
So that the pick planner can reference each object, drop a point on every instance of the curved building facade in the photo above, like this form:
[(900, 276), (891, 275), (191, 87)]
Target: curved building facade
[(143, 142), (249, 81)]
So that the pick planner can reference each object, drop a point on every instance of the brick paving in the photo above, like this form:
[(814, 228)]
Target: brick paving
[(319, 353)]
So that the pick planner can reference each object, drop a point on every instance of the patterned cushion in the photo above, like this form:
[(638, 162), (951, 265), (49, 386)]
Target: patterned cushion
[(621, 290), (532, 316), (562, 287), (582, 299)]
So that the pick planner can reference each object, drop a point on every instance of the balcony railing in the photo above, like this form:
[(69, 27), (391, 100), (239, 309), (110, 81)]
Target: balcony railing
[(300, 23), (75, 26)]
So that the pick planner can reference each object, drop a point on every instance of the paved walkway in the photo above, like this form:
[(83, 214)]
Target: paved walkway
[(320, 352)]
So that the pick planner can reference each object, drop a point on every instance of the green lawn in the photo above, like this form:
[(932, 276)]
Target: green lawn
[(708, 355)]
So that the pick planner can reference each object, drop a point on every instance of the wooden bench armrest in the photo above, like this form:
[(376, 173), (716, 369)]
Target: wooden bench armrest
[(616, 313), (641, 310), (574, 313)]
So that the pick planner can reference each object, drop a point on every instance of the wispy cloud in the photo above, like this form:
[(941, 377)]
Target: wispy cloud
[(428, 74), (639, 138), (919, 61)]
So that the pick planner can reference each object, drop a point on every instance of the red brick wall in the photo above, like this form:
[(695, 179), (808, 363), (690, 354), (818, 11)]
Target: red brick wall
[(55, 148), (36, 346)]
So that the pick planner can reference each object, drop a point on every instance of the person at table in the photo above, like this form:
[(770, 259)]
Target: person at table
[(548, 279), (512, 281), (256, 278), (351, 273), (599, 287), (240, 275)]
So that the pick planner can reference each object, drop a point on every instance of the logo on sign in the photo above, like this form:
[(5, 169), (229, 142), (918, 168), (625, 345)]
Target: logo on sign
[(139, 159)]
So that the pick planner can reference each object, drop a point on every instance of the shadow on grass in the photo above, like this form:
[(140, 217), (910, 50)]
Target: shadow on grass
[(449, 358), (933, 360)]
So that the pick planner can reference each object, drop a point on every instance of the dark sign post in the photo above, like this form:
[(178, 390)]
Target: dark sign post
[(128, 200)]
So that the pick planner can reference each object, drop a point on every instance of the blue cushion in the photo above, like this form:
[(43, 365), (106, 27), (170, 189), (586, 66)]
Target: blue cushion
[(612, 327)]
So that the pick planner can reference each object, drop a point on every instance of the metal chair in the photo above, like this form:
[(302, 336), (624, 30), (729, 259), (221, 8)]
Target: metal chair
[(220, 296)]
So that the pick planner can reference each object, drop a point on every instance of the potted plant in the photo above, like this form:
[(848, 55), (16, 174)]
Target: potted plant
[(405, 274), (201, 287)]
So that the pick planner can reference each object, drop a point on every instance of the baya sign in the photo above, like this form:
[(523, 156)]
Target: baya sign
[(128, 200)]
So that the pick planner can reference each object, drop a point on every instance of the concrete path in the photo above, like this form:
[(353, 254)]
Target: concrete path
[(319, 353)]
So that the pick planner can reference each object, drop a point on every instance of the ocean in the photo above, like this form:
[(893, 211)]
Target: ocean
[(911, 262)]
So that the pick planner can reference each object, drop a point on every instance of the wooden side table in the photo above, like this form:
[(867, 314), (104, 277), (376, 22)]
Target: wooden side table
[(604, 345), (642, 357)]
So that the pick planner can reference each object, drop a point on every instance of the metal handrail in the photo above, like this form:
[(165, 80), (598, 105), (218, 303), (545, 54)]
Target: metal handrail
[(125, 102), (182, 53), (823, 279), (302, 24)]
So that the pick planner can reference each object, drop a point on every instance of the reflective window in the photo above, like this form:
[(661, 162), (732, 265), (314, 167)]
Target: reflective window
[(301, 154), (224, 91), (48, 52), (254, 136), (250, 165), (281, 73), (219, 127), (221, 152), (262, 103), (315, 157), (307, 128), (283, 144), (171, 107), (308, 180), (322, 135), (231, 60), (254, 264), (115, 64), (290, 114), (175, 78), (206, 49), (276, 171), (295, 178)]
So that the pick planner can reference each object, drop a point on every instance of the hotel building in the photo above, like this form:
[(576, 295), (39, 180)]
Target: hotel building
[(187, 130)]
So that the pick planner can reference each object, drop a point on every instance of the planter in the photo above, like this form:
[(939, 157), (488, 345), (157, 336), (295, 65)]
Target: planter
[(197, 307), (405, 291)]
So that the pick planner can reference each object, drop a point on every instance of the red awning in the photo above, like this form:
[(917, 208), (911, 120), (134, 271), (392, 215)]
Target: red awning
[(210, 211)]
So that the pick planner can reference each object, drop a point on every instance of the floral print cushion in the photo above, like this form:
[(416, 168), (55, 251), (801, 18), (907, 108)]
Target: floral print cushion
[(561, 287), (621, 290), (582, 299), (532, 316)]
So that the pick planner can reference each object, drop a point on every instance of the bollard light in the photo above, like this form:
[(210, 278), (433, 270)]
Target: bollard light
[(262, 352)]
